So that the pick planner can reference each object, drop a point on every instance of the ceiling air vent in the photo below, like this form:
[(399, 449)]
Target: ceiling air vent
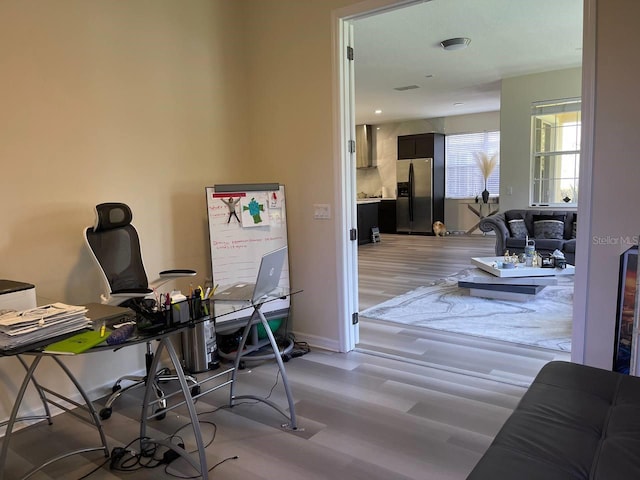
[(408, 87)]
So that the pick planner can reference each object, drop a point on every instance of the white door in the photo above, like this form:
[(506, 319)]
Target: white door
[(347, 210)]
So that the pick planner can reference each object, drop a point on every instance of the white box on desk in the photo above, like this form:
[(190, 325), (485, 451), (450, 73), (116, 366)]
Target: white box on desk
[(17, 295)]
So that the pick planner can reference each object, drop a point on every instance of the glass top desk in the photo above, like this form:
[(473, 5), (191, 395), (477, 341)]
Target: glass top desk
[(184, 396)]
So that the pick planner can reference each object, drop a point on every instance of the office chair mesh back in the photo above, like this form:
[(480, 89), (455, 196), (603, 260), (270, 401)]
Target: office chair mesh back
[(116, 246)]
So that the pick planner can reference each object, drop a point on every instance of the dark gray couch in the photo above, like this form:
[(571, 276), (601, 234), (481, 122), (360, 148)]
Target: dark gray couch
[(574, 423), (505, 240)]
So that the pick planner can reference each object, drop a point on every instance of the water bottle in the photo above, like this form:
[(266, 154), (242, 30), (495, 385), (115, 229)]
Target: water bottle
[(529, 251)]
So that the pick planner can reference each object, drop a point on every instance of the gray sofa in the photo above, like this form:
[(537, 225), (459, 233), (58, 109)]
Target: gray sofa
[(512, 227), (574, 423)]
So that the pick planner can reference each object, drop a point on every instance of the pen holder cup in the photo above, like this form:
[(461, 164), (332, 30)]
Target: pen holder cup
[(178, 314), (198, 308)]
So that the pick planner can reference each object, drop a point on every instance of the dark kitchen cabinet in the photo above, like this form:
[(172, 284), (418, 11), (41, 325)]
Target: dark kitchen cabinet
[(387, 216), (416, 146), (367, 219)]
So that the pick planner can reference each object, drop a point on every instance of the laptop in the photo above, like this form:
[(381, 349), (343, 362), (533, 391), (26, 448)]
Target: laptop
[(266, 282), (109, 314)]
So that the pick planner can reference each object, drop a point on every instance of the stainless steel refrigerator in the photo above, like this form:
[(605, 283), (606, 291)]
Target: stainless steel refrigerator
[(414, 203)]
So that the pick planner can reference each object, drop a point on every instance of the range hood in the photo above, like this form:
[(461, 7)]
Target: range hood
[(365, 157)]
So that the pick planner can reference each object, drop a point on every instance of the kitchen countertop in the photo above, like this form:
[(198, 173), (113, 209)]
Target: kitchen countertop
[(362, 201)]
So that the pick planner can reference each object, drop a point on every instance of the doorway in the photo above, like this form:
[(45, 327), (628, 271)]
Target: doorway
[(349, 19)]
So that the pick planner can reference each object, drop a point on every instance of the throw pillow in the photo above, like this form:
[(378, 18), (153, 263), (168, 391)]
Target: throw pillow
[(518, 228), (553, 229), (574, 230)]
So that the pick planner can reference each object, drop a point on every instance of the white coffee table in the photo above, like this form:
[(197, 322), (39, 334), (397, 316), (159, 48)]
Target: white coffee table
[(520, 284), (488, 264)]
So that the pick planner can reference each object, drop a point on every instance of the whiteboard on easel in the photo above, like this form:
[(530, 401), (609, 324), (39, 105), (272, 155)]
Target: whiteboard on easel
[(245, 222)]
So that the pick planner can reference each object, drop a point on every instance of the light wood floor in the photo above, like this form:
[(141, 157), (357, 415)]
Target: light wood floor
[(361, 416), (401, 263), (382, 412)]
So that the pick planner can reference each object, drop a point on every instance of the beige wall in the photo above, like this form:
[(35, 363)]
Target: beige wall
[(149, 101), (517, 95), (615, 175), (291, 129), (138, 101)]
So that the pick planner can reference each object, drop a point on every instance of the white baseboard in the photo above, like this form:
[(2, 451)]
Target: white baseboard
[(316, 341)]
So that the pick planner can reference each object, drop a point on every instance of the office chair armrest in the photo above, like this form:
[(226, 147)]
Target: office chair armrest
[(116, 298), (167, 275), (178, 273), (132, 292)]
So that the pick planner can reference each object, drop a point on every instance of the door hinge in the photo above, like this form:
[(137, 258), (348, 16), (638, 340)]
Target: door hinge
[(354, 318), (351, 145), (353, 234), (349, 53)]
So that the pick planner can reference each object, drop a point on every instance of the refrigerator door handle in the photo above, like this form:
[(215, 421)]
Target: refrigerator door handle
[(411, 192)]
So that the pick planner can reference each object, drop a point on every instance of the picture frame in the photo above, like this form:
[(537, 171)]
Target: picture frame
[(625, 346), (634, 366)]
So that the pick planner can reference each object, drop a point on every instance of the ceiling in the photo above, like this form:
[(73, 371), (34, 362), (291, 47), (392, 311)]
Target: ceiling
[(509, 38)]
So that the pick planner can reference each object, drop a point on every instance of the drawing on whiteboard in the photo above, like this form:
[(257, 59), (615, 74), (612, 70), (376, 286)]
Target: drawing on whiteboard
[(274, 200), (231, 204), (253, 212)]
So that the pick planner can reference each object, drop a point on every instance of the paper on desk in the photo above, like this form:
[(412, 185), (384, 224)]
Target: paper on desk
[(39, 317), (19, 328)]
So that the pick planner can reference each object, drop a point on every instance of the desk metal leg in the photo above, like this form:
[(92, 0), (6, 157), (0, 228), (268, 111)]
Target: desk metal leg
[(43, 398), (88, 402), (274, 345), (29, 377), (165, 343)]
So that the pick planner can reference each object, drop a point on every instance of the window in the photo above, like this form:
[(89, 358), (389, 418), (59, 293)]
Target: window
[(463, 176), (555, 152)]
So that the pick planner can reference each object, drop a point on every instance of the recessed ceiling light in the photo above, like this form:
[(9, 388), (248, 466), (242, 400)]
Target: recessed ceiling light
[(455, 43), (378, 112), (429, 75), (458, 104)]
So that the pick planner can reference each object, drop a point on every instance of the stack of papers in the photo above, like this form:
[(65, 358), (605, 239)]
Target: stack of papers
[(19, 328)]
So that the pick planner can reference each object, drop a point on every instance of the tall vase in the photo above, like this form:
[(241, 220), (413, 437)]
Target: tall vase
[(485, 194)]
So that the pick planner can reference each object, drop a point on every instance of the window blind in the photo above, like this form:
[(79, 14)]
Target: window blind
[(463, 176)]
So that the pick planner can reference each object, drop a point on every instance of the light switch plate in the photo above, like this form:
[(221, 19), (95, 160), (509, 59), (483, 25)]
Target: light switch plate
[(321, 211)]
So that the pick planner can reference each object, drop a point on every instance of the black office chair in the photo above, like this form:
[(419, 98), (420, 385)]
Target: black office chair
[(115, 246)]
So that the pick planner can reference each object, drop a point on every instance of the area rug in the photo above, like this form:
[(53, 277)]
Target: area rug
[(544, 321)]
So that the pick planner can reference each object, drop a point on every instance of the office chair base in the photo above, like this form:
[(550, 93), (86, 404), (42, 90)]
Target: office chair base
[(162, 376)]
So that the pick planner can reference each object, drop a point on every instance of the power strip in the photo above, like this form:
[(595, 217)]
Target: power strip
[(170, 455)]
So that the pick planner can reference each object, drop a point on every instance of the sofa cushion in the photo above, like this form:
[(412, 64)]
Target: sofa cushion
[(518, 228), (570, 246), (575, 422), (549, 226)]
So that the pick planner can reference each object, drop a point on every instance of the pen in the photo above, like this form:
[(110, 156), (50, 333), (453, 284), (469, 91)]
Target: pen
[(102, 330), (213, 291)]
